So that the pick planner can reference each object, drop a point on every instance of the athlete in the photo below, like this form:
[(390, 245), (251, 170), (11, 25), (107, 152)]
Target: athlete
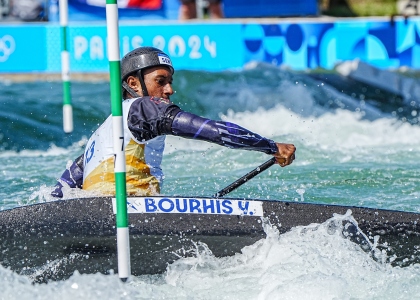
[(148, 116)]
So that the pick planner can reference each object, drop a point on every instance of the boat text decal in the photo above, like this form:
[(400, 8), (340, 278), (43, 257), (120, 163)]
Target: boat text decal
[(193, 206)]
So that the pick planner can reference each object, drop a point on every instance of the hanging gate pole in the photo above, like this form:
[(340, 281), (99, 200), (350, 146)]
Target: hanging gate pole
[(123, 241), (65, 68)]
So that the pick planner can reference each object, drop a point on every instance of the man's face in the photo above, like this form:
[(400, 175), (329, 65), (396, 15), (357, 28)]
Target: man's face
[(158, 81)]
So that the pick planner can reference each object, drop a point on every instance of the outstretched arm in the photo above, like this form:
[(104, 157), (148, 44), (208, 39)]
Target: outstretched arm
[(150, 117), (219, 132), (230, 135)]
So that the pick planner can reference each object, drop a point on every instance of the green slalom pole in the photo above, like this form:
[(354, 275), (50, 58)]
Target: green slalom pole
[(123, 241), (65, 68)]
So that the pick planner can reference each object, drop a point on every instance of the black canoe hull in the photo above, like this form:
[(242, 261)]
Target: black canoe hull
[(49, 241)]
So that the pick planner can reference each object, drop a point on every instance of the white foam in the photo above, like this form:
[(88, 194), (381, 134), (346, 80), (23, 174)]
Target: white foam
[(340, 129), (53, 150)]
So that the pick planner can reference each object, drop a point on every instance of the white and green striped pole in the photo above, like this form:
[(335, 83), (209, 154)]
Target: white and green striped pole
[(123, 241), (65, 68)]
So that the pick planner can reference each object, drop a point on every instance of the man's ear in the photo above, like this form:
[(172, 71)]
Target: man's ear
[(134, 83)]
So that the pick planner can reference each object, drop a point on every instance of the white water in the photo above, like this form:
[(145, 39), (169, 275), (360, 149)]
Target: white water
[(380, 158)]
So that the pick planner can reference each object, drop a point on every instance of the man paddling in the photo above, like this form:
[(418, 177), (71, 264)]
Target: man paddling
[(148, 116)]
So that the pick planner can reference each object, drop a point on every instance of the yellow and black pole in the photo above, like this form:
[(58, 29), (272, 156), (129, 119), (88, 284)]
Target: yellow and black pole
[(123, 241)]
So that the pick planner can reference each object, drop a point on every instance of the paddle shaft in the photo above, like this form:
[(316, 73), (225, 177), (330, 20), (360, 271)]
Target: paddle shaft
[(245, 178)]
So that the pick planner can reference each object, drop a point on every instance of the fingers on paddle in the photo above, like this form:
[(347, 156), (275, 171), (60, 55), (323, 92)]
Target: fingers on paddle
[(286, 154)]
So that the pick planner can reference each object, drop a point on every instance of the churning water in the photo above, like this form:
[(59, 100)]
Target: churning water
[(357, 144)]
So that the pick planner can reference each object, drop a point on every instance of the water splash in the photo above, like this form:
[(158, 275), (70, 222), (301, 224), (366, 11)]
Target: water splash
[(301, 192)]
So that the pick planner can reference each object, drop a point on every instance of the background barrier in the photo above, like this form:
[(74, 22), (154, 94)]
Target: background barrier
[(298, 44)]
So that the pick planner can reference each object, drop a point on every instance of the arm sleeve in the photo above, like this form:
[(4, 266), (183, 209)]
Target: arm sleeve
[(150, 117), (72, 176), (219, 132)]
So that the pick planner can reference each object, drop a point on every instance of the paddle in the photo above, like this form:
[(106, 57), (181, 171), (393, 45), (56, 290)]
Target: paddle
[(245, 178)]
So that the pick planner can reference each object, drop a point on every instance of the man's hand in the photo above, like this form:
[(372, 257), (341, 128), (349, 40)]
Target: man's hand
[(285, 154)]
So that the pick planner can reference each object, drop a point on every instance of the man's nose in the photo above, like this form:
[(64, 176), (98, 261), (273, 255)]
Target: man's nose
[(168, 89)]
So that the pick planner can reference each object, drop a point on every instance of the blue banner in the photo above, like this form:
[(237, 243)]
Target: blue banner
[(23, 48), (218, 46), (190, 47)]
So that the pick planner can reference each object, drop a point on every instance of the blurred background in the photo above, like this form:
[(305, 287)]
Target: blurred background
[(85, 10)]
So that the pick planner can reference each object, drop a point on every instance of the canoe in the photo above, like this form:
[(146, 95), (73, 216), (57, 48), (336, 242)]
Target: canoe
[(49, 241)]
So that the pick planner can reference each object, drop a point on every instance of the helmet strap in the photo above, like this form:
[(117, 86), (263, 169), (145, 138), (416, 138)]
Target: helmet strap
[(132, 92), (143, 85)]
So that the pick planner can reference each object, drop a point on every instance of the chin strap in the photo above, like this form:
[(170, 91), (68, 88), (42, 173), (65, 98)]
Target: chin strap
[(143, 85), (132, 92)]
